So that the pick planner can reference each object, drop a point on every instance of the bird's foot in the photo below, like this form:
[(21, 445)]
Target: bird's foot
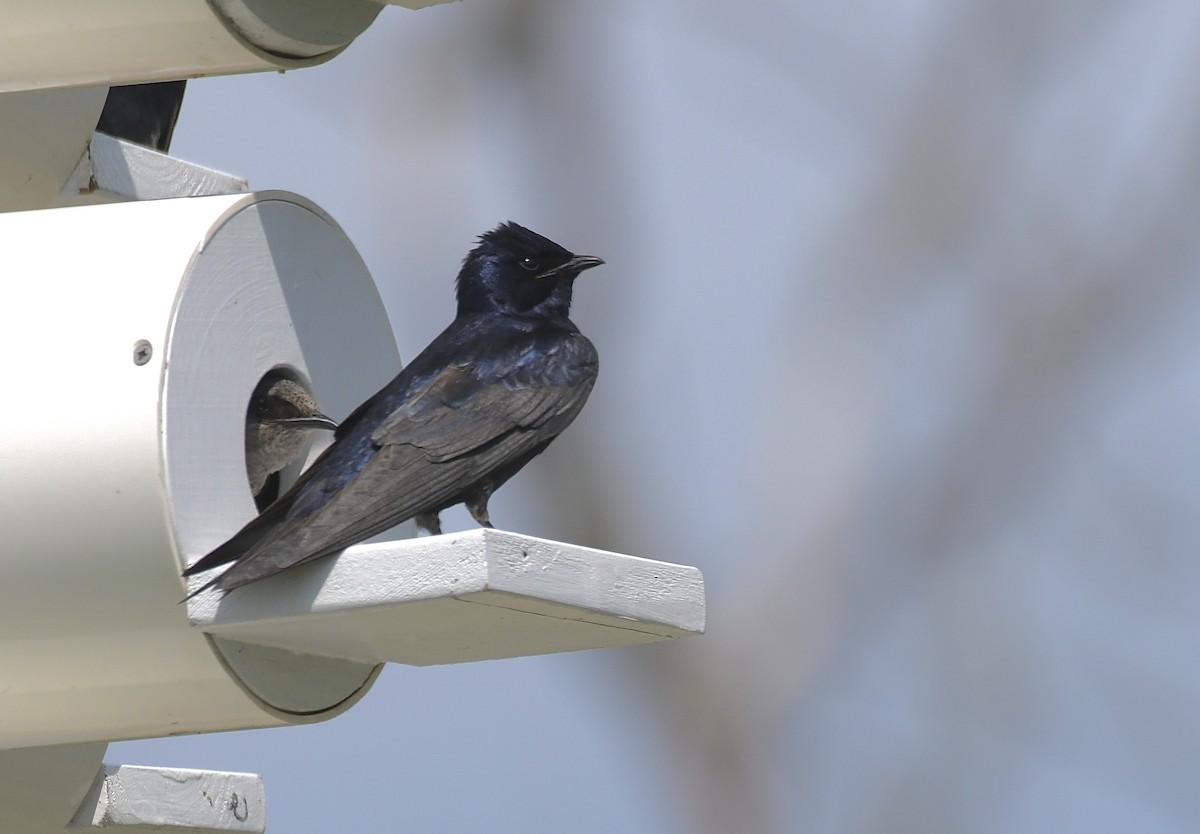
[(478, 509), (429, 522)]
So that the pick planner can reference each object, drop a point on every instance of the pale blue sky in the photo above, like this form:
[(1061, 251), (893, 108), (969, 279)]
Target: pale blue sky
[(898, 344)]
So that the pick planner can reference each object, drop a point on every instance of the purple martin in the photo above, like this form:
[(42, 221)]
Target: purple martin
[(281, 415), (481, 401)]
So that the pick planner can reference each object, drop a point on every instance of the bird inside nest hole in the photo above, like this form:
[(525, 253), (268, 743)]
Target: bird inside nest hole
[(280, 419)]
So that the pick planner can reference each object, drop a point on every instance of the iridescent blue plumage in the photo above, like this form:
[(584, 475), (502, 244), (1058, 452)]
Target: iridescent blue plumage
[(482, 400)]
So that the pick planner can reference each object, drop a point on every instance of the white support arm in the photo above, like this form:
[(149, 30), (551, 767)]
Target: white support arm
[(113, 170)]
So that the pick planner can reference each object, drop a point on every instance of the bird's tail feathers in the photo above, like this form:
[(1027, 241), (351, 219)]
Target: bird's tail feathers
[(201, 589), (245, 539)]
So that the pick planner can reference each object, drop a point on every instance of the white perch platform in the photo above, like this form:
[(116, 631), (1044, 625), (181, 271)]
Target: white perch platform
[(476, 595)]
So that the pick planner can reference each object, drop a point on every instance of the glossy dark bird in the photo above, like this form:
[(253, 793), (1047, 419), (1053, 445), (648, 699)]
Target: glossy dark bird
[(483, 399), (143, 113), (281, 417)]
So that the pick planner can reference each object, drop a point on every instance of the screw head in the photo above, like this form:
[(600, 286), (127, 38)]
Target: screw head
[(142, 351)]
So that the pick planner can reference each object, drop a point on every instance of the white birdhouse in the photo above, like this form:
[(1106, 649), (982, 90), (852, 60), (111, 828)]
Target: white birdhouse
[(132, 337)]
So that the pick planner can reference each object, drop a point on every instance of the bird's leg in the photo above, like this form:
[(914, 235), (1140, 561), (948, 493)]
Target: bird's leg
[(477, 503), (429, 522)]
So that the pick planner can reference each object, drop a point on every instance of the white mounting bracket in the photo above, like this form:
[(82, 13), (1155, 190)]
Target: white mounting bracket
[(125, 799), (113, 171)]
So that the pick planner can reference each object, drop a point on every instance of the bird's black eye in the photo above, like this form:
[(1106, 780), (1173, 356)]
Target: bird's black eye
[(530, 263)]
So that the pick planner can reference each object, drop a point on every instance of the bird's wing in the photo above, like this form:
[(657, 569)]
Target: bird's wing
[(465, 422), (244, 540), (458, 413)]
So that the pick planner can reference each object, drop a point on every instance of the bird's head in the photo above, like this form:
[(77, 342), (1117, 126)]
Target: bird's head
[(519, 272), (283, 402), (281, 417)]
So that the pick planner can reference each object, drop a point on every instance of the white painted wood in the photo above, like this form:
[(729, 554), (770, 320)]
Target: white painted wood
[(416, 4), (43, 135), (94, 644), (69, 43), (41, 787), (153, 800), (475, 595), (113, 170), (296, 28)]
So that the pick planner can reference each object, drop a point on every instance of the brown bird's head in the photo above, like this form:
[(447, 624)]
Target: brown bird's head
[(281, 415)]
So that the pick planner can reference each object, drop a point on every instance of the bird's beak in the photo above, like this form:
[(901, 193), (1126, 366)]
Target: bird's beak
[(316, 421), (576, 265)]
